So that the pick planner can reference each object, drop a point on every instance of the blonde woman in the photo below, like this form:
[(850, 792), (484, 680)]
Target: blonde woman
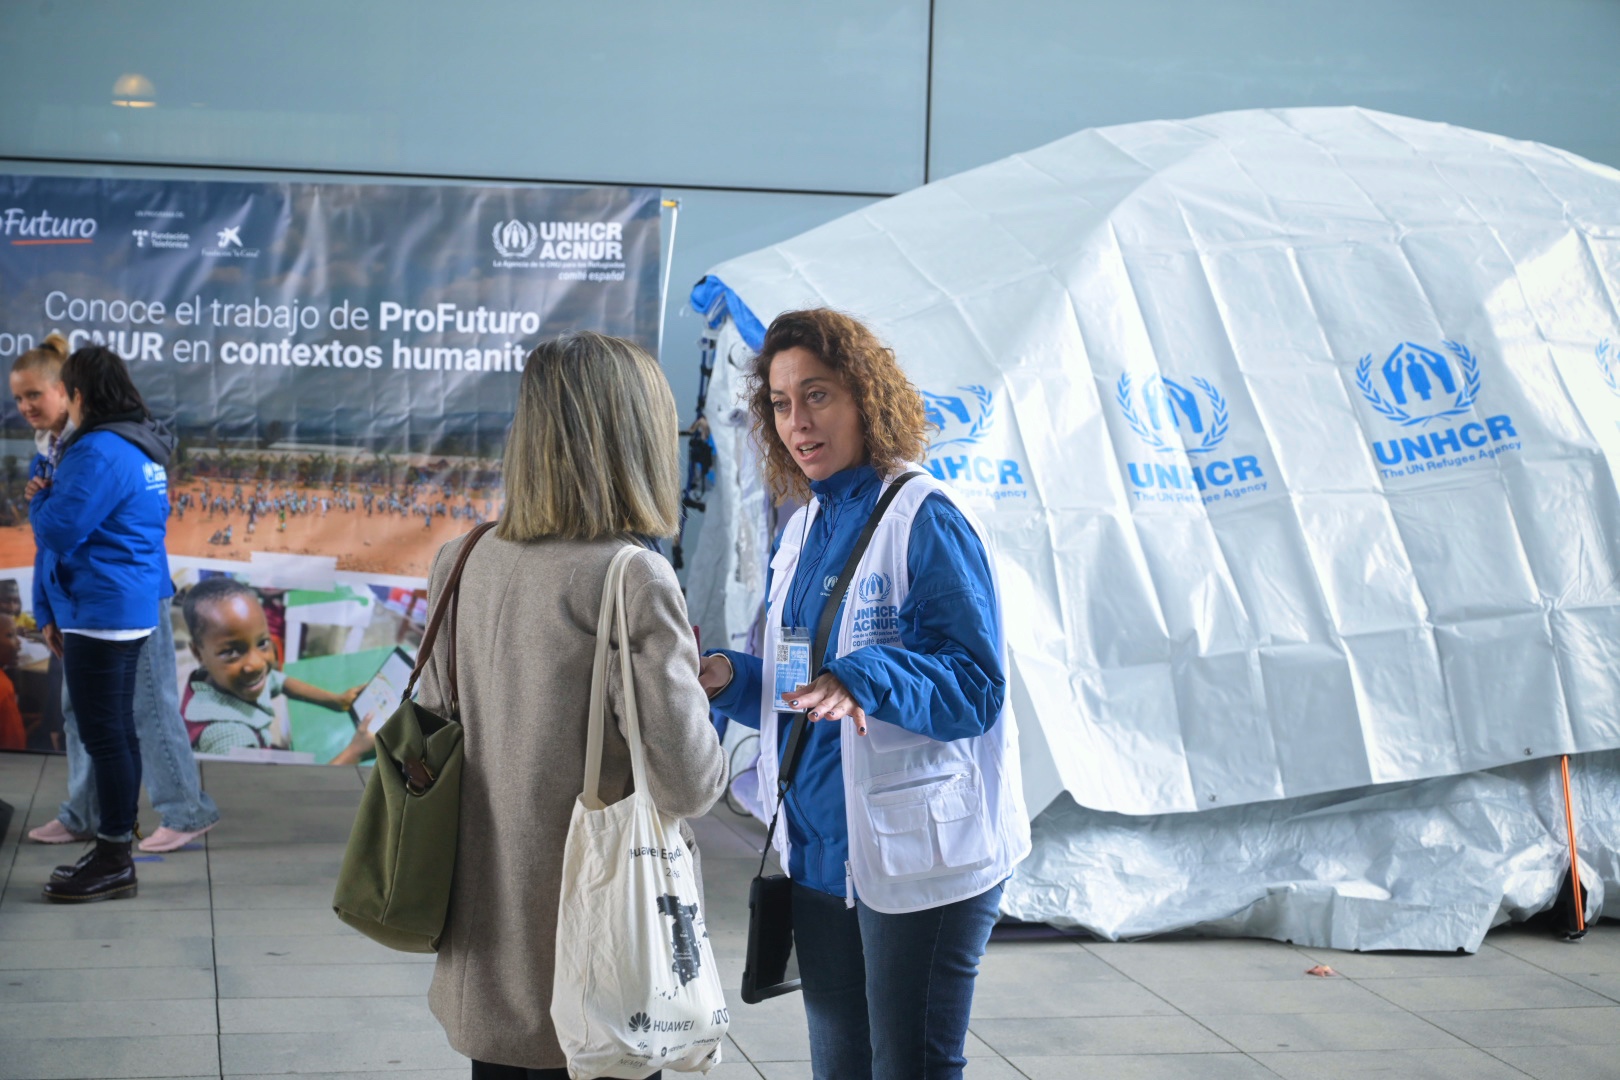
[(591, 463)]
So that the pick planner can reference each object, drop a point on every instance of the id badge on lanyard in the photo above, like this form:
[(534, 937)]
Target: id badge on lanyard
[(792, 664)]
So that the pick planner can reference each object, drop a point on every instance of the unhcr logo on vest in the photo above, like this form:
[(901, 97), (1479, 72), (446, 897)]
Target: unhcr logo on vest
[(964, 422), (875, 619), (1426, 387), (1171, 418), (875, 587)]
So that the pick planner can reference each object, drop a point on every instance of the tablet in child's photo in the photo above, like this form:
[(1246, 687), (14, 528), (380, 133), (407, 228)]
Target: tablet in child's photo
[(382, 694)]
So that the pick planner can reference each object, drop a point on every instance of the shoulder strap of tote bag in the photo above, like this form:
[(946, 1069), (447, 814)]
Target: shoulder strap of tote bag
[(795, 739), (611, 615), (447, 603)]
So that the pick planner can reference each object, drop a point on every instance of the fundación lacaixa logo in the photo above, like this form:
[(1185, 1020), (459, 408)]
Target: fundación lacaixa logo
[(1186, 416), (1418, 390), (957, 455)]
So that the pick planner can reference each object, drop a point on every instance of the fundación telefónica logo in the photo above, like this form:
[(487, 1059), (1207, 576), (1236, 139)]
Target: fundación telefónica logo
[(1421, 386), (156, 238), (964, 422), (1200, 425), (515, 239)]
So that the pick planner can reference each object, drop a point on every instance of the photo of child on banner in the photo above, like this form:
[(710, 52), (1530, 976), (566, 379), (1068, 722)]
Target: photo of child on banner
[(291, 675), (30, 679)]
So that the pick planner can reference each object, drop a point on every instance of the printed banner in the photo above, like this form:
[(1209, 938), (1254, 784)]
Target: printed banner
[(340, 363)]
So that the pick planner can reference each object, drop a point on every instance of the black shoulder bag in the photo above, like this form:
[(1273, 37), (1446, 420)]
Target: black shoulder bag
[(770, 899)]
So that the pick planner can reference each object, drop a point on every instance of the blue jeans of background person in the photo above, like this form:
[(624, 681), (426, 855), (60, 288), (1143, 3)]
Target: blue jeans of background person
[(100, 677), (887, 997), (168, 767)]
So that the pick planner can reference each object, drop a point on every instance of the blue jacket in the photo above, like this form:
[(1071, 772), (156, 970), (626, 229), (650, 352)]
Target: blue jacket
[(944, 680), (99, 529)]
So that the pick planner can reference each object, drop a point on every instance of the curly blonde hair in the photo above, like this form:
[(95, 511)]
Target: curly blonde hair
[(892, 416)]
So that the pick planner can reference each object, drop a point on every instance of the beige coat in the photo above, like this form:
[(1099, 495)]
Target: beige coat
[(527, 628)]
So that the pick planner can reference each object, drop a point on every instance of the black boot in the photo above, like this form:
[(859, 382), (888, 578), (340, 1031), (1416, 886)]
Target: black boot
[(107, 874), (62, 873)]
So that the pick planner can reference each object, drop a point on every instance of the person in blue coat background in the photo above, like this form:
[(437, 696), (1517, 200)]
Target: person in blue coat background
[(888, 983), (100, 522), (168, 768)]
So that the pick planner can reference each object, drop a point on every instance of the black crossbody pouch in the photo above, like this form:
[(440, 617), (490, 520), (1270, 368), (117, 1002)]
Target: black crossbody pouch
[(770, 898)]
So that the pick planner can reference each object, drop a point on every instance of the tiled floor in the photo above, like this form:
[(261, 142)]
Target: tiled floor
[(230, 963)]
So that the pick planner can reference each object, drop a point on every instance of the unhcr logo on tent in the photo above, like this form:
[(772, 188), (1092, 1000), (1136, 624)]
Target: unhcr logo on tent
[(1171, 417), (1422, 386), (1605, 361), (964, 422), (1171, 408)]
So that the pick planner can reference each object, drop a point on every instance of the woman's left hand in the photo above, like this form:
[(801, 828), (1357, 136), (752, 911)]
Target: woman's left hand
[(827, 699)]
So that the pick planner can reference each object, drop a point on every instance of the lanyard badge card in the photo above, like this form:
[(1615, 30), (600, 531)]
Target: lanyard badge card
[(792, 664)]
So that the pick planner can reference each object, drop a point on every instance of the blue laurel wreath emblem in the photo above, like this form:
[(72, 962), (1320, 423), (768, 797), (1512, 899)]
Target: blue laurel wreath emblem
[(936, 406), (1461, 405), (1219, 418), (1606, 361)]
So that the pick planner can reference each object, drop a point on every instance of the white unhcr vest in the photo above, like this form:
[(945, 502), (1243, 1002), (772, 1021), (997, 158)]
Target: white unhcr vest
[(930, 822)]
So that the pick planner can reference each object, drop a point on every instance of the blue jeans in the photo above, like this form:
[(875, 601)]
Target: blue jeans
[(887, 997), (167, 765)]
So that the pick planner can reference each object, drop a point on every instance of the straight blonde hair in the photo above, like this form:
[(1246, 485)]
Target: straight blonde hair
[(594, 449)]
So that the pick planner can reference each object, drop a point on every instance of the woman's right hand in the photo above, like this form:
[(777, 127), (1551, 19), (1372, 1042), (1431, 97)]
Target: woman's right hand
[(715, 674), (35, 486), (53, 639)]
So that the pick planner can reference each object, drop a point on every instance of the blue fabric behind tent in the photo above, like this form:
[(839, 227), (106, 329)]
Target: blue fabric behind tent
[(714, 300)]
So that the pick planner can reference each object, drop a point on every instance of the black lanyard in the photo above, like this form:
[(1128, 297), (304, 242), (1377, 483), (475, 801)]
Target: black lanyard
[(794, 749)]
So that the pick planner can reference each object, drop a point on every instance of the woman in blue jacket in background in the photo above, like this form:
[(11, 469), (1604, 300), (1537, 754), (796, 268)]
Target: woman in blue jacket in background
[(100, 523), (905, 814)]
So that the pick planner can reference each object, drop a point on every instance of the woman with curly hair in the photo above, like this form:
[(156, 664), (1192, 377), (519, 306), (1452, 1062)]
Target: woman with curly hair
[(905, 813)]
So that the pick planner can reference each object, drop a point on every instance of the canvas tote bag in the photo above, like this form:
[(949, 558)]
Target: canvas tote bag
[(635, 988)]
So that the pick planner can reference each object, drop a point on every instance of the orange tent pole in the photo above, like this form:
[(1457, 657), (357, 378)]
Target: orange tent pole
[(1574, 857)]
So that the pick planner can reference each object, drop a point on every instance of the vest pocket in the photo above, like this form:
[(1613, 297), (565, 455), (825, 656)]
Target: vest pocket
[(963, 840), (900, 826), (932, 822), (885, 737)]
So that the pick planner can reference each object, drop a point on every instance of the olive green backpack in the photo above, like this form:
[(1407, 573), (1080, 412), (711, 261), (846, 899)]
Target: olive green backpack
[(395, 883)]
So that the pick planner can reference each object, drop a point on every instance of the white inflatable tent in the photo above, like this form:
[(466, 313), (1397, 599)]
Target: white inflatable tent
[(1296, 434)]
